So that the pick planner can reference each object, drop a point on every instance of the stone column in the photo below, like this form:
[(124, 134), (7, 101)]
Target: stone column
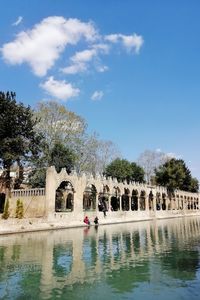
[(146, 203), (129, 199), (138, 200), (109, 203), (97, 202), (120, 203), (50, 191), (154, 202)]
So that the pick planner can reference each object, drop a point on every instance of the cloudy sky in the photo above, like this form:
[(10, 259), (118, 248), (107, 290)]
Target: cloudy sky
[(130, 68)]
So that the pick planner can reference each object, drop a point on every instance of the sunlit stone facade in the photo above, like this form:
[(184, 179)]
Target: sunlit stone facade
[(72, 196)]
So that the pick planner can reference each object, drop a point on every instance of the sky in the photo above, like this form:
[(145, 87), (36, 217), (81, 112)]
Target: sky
[(130, 68)]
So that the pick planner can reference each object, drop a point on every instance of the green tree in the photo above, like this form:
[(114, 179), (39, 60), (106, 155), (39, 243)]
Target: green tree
[(6, 212), (137, 173), (18, 140), (19, 212), (174, 174), (59, 156), (122, 169)]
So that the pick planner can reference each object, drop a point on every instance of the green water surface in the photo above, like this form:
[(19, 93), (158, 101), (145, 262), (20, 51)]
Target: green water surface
[(143, 260)]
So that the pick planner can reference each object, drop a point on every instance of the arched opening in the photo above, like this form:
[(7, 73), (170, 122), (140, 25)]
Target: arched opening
[(164, 206), (125, 200), (158, 201), (115, 199), (89, 197), (69, 202), (142, 200), (134, 200), (2, 202), (103, 199), (189, 204), (64, 197), (151, 201)]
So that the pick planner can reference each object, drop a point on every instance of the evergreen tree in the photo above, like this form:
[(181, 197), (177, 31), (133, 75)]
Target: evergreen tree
[(122, 169), (6, 213), (174, 174), (18, 140)]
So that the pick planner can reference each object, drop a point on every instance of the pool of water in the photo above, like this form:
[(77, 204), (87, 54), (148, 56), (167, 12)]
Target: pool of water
[(143, 260)]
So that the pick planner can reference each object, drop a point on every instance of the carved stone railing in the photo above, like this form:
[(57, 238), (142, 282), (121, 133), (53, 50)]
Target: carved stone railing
[(28, 192)]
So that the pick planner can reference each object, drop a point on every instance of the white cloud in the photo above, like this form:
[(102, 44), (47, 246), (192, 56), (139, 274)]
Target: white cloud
[(59, 89), (132, 43), (97, 95), (41, 46), (74, 69), (113, 38), (84, 56), (102, 69), (81, 59), (18, 21)]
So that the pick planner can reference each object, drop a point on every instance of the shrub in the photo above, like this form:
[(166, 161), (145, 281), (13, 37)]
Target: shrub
[(6, 213), (19, 213)]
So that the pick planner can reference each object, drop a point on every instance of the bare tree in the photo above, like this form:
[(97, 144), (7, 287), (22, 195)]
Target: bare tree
[(150, 160)]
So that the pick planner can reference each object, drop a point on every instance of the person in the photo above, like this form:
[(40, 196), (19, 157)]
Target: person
[(86, 220), (96, 220)]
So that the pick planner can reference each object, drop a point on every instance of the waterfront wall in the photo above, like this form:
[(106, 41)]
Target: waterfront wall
[(33, 202), (84, 194)]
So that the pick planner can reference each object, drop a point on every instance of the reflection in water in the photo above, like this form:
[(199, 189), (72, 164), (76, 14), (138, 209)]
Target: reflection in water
[(134, 260)]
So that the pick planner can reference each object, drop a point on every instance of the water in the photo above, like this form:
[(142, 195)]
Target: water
[(143, 260)]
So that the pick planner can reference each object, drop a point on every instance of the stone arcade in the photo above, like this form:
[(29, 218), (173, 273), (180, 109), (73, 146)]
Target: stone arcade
[(67, 198)]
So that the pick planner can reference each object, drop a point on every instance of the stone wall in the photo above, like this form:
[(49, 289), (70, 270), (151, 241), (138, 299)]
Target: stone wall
[(33, 202)]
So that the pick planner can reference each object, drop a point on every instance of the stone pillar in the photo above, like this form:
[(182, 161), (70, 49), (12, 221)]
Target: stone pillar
[(154, 202), (109, 203), (97, 202), (50, 191), (120, 203), (146, 202), (129, 199), (138, 200)]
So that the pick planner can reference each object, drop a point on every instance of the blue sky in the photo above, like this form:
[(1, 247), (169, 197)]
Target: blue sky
[(130, 68)]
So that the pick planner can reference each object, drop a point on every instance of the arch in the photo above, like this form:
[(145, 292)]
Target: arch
[(151, 197), (134, 200), (115, 199), (2, 202), (164, 198), (89, 197), (158, 201), (64, 200), (125, 200), (142, 200)]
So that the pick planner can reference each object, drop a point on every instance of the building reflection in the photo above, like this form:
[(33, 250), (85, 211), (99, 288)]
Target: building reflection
[(124, 255)]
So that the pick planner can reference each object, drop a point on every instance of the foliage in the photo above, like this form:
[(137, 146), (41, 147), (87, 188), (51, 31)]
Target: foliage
[(137, 173), (19, 213), (66, 144), (122, 169), (57, 124), (174, 174), (6, 212), (18, 138), (59, 156)]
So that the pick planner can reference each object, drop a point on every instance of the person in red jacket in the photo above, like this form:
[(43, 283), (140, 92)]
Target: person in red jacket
[(86, 220)]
